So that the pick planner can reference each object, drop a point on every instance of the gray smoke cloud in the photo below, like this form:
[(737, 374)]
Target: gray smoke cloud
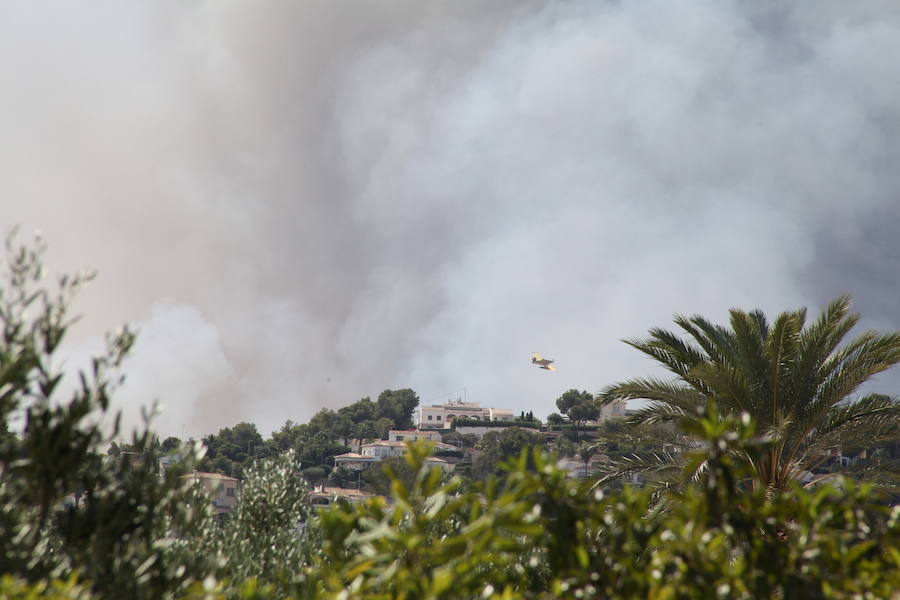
[(300, 204)]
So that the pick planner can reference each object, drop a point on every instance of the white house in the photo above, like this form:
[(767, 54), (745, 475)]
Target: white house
[(383, 449), (386, 448), (354, 460), (441, 416), (378, 451)]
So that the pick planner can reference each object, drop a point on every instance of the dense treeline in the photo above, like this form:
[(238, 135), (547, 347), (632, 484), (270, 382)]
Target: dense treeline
[(315, 443), (78, 521)]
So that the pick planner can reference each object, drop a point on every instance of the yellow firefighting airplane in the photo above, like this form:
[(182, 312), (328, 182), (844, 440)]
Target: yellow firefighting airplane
[(544, 363)]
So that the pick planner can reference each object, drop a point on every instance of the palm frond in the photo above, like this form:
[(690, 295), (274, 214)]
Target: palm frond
[(662, 462), (870, 420), (866, 422), (658, 412), (780, 352), (821, 338), (750, 359), (852, 365), (728, 386), (713, 339), (667, 348), (670, 392)]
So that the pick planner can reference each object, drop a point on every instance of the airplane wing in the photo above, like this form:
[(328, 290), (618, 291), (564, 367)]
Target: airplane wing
[(536, 356), (550, 368)]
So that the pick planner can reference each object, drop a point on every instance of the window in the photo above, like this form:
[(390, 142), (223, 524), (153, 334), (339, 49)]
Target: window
[(429, 418), (438, 418), (398, 438), (229, 492)]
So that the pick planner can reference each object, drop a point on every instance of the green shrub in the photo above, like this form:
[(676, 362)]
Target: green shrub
[(537, 534)]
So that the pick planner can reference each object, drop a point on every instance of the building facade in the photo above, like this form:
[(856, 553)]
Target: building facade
[(222, 489), (441, 416), (376, 452), (412, 435), (613, 410)]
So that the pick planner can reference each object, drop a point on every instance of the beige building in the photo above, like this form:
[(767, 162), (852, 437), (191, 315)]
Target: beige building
[(613, 410), (441, 416), (221, 488)]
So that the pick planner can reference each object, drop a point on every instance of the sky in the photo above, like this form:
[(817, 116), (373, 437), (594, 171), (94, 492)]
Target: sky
[(301, 204)]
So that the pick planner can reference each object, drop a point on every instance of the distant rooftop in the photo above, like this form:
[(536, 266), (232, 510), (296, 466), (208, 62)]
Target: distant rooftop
[(352, 455), (387, 443), (202, 475), (422, 431), (459, 404), (340, 492)]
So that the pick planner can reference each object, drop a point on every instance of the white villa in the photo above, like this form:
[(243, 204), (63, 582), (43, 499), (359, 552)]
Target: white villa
[(441, 416)]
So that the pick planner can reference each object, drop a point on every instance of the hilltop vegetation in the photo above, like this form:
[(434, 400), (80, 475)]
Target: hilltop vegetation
[(79, 522)]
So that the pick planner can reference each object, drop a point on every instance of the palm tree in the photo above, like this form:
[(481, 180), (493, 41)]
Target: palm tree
[(794, 379)]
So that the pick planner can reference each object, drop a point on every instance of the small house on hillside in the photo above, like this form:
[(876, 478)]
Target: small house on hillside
[(222, 489), (354, 460), (378, 451)]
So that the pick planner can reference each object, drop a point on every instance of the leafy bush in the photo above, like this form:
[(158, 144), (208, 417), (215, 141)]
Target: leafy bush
[(264, 538), (537, 534), (122, 534)]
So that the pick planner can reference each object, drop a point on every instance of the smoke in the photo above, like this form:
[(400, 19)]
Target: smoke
[(302, 204)]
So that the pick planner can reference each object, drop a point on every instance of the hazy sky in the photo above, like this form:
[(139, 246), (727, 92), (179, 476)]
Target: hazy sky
[(303, 203)]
